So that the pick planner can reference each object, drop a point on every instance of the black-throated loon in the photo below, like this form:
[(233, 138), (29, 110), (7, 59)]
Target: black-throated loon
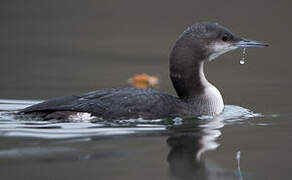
[(199, 43)]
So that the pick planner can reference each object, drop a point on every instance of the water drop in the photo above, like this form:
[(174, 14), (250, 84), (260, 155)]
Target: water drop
[(242, 61)]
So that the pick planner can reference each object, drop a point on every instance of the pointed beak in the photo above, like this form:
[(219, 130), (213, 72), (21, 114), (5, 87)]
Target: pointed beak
[(244, 43)]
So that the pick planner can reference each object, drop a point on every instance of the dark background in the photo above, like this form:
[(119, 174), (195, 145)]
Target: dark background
[(55, 48)]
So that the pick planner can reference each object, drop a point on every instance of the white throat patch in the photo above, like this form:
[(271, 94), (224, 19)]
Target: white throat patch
[(219, 48)]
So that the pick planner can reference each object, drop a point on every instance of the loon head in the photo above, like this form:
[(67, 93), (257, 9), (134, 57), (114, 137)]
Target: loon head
[(210, 40)]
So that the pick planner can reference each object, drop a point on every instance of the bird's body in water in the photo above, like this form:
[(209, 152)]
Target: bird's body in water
[(196, 96)]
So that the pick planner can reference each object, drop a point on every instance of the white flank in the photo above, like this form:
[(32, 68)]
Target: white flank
[(81, 116)]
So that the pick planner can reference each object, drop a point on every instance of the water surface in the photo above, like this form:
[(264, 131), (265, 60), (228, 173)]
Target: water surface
[(55, 48), (171, 148)]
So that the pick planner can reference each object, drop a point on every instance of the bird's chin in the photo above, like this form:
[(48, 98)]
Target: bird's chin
[(221, 51)]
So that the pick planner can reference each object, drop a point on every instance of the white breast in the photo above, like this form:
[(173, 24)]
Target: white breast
[(214, 100), (210, 102)]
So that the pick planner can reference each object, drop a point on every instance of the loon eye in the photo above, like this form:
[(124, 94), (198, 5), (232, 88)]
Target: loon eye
[(225, 38)]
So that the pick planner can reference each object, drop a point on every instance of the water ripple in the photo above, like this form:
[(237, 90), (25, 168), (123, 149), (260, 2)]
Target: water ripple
[(13, 126)]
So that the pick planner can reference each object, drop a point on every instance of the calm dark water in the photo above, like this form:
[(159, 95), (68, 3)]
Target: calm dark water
[(55, 48)]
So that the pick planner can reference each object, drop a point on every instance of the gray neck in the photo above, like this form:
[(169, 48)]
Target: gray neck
[(190, 83), (187, 73)]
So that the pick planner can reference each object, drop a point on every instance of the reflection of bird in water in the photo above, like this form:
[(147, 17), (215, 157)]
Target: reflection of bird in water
[(143, 81), (185, 160)]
